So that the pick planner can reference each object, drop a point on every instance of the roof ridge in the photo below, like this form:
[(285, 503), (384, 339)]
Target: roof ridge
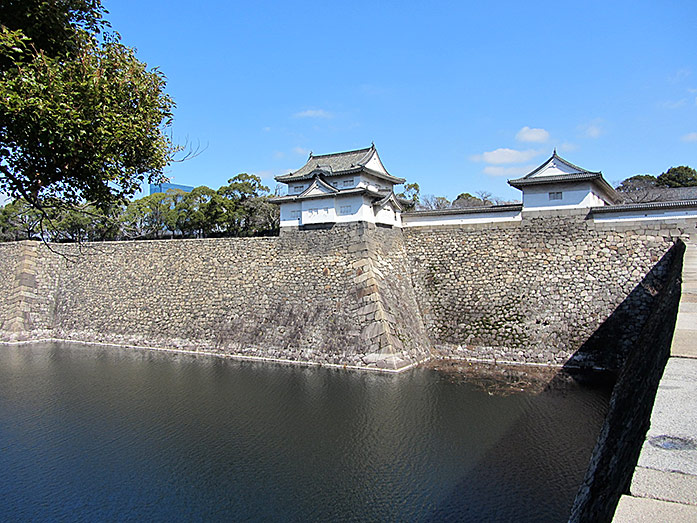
[(568, 163), (366, 156), (367, 149)]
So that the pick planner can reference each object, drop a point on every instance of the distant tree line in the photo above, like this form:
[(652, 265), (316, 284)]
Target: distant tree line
[(415, 201), (240, 208), (647, 188), (638, 188)]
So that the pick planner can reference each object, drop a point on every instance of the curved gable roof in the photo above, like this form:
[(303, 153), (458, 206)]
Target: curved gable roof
[(558, 170), (337, 164)]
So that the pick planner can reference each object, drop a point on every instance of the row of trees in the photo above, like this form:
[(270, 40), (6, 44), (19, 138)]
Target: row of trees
[(638, 188), (415, 201), (240, 208), (646, 187)]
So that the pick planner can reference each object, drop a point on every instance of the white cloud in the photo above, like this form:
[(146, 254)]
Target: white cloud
[(301, 151), (531, 134), (689, 137), (679, 75), (493, 170), (504, 155), (313, 113), (279, 154), (266, 129), (592, 129)]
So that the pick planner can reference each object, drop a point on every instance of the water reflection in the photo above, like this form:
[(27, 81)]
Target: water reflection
[(106, 433)]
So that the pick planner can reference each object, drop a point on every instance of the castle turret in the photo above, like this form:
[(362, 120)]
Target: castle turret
[(343, 187)]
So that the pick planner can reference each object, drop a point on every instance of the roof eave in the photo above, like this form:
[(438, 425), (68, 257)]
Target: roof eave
[(467, 210), (340, 192), (647, 206), (289, 178)]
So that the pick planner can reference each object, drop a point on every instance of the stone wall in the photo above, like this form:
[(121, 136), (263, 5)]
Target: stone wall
[(315, 296), (537, 290), (619, 444), (10, 257), (552, 288)]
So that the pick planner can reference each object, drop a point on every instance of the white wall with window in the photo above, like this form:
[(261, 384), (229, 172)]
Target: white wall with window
[(343, 209), (290, 214), (352, 208), (318, 210), (567, 195)]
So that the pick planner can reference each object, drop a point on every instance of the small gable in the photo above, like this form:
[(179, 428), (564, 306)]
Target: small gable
[(390, 201), (319, 187), (555, 166), (375, 164)]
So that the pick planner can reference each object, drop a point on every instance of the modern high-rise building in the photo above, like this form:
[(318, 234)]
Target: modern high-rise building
[(164, 187)]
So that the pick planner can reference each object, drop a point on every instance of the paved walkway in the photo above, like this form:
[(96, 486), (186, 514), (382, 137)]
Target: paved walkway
[(664, 486)]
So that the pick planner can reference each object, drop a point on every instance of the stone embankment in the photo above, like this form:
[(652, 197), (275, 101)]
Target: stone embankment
[(554, 288), (328, 297), (664, 483), (622, 434)]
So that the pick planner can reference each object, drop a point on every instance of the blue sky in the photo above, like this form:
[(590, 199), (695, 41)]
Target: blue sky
[(457, 96)]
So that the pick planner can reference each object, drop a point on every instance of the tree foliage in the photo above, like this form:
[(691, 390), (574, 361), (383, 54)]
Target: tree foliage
[(241, 208), (81, 118), (468, 200), (433, 203), (410, 196), (638, 188), (682, 176)]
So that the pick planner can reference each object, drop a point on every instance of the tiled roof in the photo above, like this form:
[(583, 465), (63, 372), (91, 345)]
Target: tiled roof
[(580, 175), (644, 206), (390, 196), (340, 192), (658, 194), (555, 156), (543, 180), (467, 210), (338, 164)]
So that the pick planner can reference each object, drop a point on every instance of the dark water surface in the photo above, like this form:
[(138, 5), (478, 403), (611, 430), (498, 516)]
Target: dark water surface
[(89, 433)]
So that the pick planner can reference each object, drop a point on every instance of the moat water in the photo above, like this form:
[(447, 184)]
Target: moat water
[(93, 433)]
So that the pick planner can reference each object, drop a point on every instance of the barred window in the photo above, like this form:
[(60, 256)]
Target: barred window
[(555, 195)]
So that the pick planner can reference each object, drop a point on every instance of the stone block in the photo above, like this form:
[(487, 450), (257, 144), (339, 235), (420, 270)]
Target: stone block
[(664, 485)]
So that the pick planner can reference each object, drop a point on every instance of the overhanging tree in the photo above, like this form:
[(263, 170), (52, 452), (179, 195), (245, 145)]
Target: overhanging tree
[(82, 120)]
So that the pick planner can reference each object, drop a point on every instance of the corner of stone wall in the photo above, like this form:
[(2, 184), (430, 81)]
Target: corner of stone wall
[(24, 294), (381, 333)]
